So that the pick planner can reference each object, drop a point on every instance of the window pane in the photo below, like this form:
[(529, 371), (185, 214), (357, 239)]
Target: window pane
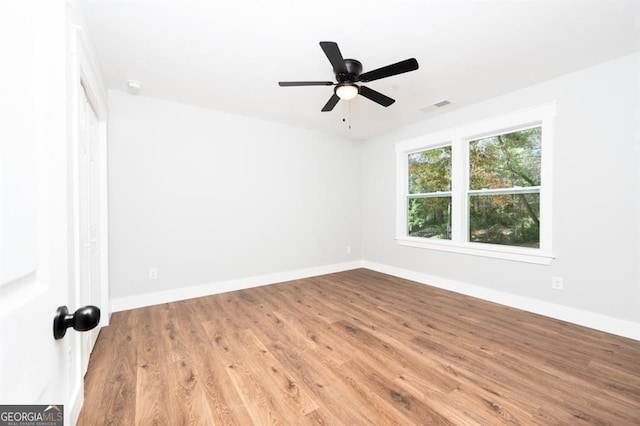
[(430, 171), (429, 217), (511, 219), (505, 161)]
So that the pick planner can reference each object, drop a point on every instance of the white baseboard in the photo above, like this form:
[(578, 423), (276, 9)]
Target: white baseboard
[(600, 322), (174, 295), (576, 316), (72, 410)]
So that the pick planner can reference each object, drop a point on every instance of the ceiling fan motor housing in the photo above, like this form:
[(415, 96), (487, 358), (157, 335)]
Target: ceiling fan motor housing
[(354, 68)]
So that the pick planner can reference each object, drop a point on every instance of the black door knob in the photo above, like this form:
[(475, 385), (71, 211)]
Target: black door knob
[(84, 319)]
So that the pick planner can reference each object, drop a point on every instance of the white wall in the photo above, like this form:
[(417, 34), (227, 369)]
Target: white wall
[(213, 199), (595, 202), (207, 197)]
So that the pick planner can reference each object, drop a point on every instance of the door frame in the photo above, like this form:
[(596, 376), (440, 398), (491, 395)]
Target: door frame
[(85, 74)]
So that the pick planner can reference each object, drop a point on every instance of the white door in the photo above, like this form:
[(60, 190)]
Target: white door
[(35, 229), (88, 215)]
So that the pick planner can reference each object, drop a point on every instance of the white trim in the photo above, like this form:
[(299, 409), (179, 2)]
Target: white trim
[(494, 251), (503, 191), (459, 202), (588, 319), (546, 179), (75, 402), (580, 317), (437, 194), (458, 138), (90, 74), (87, 73), (103, 217), (84, 73), (91, 79), (174, 295)]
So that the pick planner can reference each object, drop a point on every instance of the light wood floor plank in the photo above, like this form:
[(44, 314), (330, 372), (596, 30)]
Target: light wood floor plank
[(356, 348), (114, 374)]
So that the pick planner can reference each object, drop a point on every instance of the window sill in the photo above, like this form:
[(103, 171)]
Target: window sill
[(517, 254)]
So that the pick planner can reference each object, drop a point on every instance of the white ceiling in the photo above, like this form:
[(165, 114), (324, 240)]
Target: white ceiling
[(229, 55)]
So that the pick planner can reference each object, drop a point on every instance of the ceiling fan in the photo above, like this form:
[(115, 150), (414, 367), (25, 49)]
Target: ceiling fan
[(348, 72)]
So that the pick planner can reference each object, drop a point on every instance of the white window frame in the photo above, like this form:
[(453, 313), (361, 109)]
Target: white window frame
[(459, 138)]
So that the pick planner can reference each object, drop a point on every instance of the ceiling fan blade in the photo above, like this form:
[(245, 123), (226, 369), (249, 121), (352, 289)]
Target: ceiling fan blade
[(376, 97), (333, 100), (389, 70), (304, 83), (332, 51)]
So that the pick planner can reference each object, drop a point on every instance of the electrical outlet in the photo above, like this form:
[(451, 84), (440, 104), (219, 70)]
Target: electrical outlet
[(153, 274), (348, 249), (557, 283)]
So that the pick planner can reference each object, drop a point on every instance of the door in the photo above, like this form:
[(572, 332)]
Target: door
[(35, 231), (88, 215)]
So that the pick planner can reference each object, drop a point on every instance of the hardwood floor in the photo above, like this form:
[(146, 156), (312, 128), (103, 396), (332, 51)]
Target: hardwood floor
[(356, 348)]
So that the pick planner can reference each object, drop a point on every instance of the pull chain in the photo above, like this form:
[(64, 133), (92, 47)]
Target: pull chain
[(346, 110)]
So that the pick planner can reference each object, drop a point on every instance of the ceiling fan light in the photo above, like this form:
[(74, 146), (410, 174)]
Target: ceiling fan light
[(347, 91)]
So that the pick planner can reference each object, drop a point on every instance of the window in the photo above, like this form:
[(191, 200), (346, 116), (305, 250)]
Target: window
[(482, 189), (429, 198), (504, 189)]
